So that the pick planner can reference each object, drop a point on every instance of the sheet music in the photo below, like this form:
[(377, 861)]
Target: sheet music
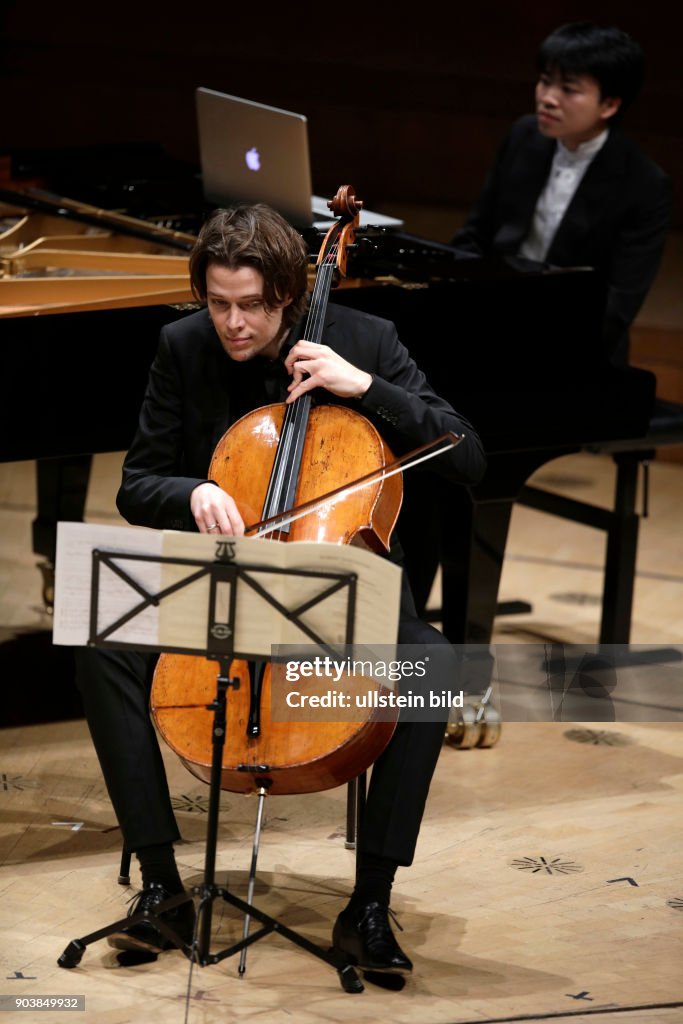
[(258, 624), (181, 619), (73, 582)]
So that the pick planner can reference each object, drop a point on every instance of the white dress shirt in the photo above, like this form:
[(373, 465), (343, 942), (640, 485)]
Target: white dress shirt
[(567, 170)]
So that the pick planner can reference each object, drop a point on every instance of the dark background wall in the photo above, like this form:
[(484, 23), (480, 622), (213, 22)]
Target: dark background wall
[(408, 107)]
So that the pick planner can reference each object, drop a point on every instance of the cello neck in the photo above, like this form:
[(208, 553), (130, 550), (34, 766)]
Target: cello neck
[(285, 476), (284, 479)]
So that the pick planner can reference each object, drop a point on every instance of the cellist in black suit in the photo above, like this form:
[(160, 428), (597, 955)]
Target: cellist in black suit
[(242, 351)]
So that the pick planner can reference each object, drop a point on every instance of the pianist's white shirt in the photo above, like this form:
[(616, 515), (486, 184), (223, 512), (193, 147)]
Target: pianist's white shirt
[(566, 172)]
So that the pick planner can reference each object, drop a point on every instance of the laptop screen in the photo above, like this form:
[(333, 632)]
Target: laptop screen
[(253, 153)]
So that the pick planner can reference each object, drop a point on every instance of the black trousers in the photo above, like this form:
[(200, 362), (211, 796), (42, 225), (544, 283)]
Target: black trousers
[(115, 687), (62, 489)]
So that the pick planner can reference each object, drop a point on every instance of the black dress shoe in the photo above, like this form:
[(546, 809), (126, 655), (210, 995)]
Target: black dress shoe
[(144, 935), (365, 937)]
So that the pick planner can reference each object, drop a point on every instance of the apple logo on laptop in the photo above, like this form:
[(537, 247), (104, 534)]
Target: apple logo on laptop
[(253, 159)]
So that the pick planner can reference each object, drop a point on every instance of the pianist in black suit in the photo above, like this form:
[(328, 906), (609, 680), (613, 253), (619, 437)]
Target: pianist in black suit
[(239, 353), (568, 188)]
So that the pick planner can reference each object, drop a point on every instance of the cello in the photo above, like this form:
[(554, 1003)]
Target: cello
[(271, 460)]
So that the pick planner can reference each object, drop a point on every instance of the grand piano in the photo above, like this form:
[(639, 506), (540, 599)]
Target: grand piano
[(515, 347)]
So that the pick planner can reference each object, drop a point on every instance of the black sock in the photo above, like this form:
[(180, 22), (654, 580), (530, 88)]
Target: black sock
[(157, 864), (374, 878)]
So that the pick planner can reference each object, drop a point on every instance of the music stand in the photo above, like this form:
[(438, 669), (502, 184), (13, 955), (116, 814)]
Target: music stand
[(222, 645)]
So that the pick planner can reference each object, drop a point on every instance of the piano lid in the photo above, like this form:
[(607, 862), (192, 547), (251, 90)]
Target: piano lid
[(60, 255)]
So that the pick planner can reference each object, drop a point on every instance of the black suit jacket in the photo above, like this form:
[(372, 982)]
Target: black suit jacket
[(195, 392), (616, 222)]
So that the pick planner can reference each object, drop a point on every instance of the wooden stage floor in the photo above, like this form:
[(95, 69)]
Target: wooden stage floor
[(548, 883)]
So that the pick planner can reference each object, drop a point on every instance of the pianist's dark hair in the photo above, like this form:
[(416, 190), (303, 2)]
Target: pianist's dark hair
[(255, 236), (607, 53)]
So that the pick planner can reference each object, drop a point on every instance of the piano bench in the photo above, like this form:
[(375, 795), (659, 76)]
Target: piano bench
[(621, 522)]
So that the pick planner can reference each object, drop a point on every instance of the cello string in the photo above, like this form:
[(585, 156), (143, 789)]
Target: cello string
[(291, 424), (296, 417), (298, 411), (285, 472), (280, 494)]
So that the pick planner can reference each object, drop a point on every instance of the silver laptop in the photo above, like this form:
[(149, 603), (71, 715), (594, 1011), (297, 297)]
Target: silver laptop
[(253, 153)]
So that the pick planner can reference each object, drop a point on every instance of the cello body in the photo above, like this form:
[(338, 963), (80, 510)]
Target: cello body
[(289, 756)]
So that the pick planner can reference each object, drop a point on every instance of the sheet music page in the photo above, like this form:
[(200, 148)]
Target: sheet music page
[(379, 588), (259, 625), (184, 614), (73, 582), (181, 619)]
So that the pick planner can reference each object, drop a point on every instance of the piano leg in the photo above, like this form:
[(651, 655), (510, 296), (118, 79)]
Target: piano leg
[(62, 487), (620, 559)]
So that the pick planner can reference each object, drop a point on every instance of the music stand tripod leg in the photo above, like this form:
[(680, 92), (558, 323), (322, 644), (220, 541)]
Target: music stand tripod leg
[(73, 954)]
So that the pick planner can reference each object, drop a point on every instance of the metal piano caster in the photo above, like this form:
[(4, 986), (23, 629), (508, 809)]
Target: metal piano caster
[(476, 724)]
